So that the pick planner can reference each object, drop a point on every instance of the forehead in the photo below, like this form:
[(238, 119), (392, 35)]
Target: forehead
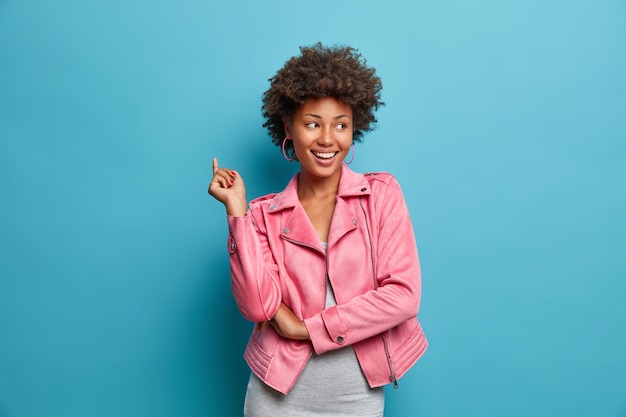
[(324, 107)]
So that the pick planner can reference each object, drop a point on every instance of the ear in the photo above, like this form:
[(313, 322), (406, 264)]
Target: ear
[(287, 125)]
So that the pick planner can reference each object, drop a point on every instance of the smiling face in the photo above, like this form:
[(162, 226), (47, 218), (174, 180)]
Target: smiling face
[(321, 131)]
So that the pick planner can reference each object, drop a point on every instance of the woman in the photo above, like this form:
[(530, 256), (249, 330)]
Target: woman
[(327, 268)]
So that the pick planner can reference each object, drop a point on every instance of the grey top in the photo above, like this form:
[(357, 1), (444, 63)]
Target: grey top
[(331, 384)]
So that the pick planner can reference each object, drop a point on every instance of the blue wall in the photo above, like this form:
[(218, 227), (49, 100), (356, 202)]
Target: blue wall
[(505, 123)]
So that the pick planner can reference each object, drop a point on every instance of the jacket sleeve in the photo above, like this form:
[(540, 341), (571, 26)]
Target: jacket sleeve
[(254, 273), (397, 296)]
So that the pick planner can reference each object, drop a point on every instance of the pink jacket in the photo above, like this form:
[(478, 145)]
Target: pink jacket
[(371, 261)]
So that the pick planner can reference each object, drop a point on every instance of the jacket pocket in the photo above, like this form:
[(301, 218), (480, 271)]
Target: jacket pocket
[(408, 343), (260, 350)]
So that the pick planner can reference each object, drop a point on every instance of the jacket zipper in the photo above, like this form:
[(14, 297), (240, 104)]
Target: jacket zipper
[(295, 242), (392, 374)]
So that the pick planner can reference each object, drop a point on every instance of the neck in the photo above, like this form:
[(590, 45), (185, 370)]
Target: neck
[(311, 187)]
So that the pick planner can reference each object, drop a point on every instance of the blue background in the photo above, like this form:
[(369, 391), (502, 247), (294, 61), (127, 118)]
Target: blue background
[(505, 124)]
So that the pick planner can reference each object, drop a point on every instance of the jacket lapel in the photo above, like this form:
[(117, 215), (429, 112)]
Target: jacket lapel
[(351, 186), (343, 221), (298, 227)]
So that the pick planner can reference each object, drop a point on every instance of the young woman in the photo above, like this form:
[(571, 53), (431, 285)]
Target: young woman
[(327, 268)]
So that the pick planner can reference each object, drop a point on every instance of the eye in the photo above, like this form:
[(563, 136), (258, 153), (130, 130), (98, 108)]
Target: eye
[(342, 126), (311, 125)]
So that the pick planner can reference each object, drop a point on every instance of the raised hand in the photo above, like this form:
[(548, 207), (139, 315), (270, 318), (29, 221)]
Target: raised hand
[(228, 187)]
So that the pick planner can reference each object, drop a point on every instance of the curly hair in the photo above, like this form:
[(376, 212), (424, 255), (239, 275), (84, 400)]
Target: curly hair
[(339, 71)]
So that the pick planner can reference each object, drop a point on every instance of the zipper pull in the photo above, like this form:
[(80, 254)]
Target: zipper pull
[(393, 379)]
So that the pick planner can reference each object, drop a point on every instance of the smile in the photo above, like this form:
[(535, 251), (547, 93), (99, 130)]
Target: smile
[(324, 155)]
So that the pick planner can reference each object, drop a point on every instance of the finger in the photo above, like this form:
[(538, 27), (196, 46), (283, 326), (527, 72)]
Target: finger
[(224, 178), (221, 181), (215, 166)]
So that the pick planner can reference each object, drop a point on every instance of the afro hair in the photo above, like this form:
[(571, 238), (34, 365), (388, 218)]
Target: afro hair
[(319, 71)]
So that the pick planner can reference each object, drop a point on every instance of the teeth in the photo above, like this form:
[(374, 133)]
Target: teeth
[(324, 155)]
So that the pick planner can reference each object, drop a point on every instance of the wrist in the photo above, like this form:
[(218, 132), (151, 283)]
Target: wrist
[(236, 208), (306, 334)]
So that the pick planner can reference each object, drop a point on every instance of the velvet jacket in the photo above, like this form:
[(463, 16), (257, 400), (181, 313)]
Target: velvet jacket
[(372, 264)]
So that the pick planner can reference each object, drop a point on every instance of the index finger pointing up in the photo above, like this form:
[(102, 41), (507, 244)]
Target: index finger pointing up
[(214, 165)]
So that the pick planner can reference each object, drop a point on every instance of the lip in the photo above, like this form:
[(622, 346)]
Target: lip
[(325, 152), (325, 161)]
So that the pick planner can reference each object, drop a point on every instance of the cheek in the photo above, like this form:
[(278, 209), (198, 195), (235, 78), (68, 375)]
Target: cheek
[(299, 145), (300, 139), (347, 142)]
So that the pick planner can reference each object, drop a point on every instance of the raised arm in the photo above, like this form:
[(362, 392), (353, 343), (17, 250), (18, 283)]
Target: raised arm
[(254, 274)]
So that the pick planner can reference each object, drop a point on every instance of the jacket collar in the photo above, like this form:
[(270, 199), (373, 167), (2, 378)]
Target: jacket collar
[(351, 184)]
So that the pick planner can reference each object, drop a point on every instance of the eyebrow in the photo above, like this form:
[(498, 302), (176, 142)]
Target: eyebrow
[(317, 116)]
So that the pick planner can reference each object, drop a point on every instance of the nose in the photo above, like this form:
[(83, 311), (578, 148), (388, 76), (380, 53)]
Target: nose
[(326, 137)]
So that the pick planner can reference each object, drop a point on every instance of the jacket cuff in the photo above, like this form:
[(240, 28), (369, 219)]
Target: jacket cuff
[(326, 330), (234, 221), (236, 229)]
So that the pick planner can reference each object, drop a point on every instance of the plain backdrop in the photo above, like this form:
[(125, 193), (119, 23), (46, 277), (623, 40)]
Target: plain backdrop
[(505, 123)]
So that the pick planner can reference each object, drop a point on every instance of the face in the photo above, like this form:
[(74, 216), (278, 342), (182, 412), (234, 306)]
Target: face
[(321, 131)]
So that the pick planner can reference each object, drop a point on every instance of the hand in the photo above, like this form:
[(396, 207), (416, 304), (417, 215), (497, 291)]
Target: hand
[(228, 187), (288, 325)]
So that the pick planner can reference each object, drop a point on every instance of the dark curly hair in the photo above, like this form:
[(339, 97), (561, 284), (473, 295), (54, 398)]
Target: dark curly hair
[(339, 71)]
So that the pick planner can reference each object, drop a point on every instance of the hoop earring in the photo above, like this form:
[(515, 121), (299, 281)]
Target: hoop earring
[(353, 153), (283, 148)]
